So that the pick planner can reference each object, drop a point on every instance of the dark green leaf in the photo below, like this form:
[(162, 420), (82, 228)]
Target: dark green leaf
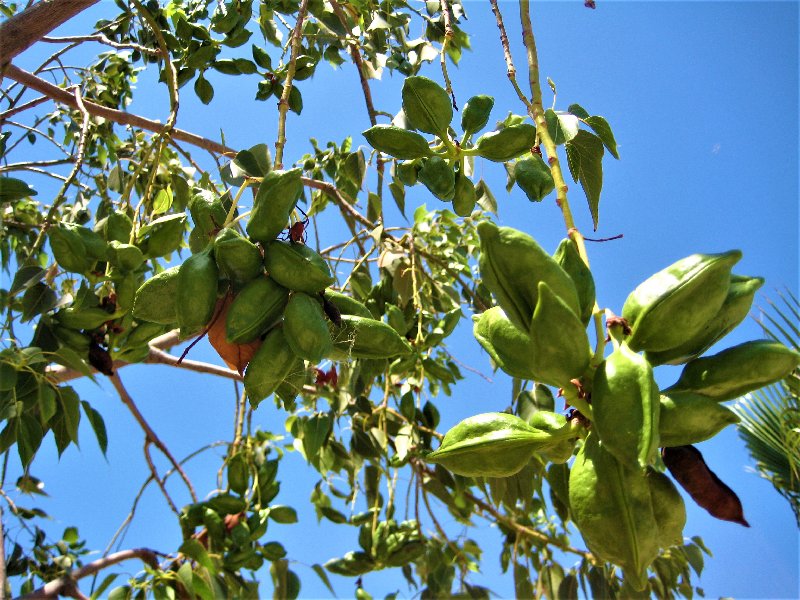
[(12, 189), (98, 425), (37, 300), (584, 156), (283, 514), (315, 432), (25, 277), (70, 406), (603, 130), (324, 577), (203, 89), (578, 111), (29, 438), (262, 58), (523, 588), (295, 100), (67, 357)]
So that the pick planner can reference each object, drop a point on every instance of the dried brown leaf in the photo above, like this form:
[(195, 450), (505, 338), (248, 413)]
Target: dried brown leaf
[(236, 356)]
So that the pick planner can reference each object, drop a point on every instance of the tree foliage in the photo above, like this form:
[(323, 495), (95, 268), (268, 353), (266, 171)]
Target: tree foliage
[(147, 241)]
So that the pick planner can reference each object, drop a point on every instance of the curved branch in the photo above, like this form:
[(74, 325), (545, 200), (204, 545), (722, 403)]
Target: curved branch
[(339, 199), (62, 96), (21, 31), (67, 585)]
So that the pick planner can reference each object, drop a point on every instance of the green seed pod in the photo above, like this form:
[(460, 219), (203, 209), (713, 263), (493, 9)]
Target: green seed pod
[(561, 350), (668, 509), (306, 329), (511, 349), (96, 247), (464, 197), (570, 260), (347, 305), (208, 212), (476, 113), (438, 177), (612, 507), (68, 248), (238, 258), (277, 196), (687, 418), (738, 370), (489, 445), (625, 407), (507, 143), (156, 298), (407, 172), (268, 367), (144, 332), (297, 267), (256, 307), (162, 236), (546, 420), (534, 178), (427, 105), (360, 337), (512, 264), (734, 309), (196, 295), (82, 318), (118, 227), (126, 257), (673, 305), (351, 564), (397, 142)]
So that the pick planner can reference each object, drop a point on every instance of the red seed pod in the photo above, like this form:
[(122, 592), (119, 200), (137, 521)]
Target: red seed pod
[(687, 466)]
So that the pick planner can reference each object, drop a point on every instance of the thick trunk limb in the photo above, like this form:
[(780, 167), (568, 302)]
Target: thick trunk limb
[(21, 31)]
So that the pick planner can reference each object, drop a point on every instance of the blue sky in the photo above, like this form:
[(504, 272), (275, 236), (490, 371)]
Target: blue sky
[(703, 100)]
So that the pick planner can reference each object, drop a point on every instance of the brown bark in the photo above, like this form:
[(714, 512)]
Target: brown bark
[(24, 29), (62, 96)]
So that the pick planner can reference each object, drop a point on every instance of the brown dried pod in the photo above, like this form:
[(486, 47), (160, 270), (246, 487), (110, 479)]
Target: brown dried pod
[(687, 466)]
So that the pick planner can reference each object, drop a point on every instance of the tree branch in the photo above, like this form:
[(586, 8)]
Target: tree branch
[(67, 585), (21, 31), (62, 96)]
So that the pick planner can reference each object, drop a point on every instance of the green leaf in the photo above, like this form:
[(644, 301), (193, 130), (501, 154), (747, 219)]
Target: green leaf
[(399, 195), (25, 277), (37, 300), (578, 111), (70, 405), (523, 588), (295, 100), (601, 127), (485, 197), (12, 189), (29, 438), (584, 157), (47, 403), (67, 357), (285, 515), (561, 126), (427, 105), (195, 550), (98, 425), (203, 89), (315, 432), (324, 577), (163, 201), (262, 58), (100, 589), (273, 550)]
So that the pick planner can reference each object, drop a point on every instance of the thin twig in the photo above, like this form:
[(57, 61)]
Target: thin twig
[(22, 107), (448, 37), (154, 474), (510, 69), (62, 96), (149, 433), (100, 38), (67, 585), (283, 103), (339, 198)]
